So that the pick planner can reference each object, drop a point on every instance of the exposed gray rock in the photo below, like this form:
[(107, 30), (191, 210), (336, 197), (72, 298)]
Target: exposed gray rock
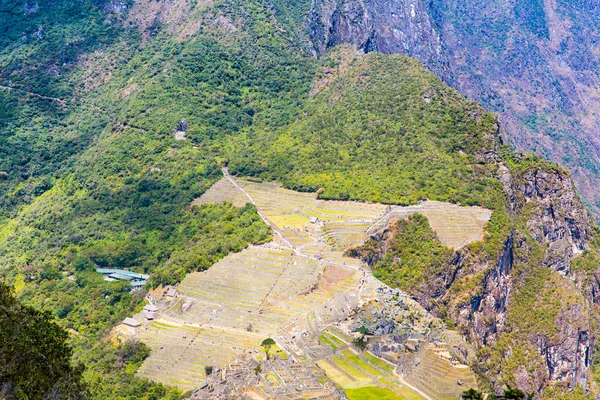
[(386, 26), (534, 62)]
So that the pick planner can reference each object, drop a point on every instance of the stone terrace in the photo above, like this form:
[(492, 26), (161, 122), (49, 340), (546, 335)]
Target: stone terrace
[(259, 292)]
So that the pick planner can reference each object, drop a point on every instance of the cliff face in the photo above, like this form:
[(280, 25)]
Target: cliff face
[(385, 26), (533, 271), (528, 311), (531, 61)]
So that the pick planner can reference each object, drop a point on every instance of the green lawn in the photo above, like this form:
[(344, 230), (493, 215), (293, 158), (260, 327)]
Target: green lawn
[(349, 368), (340, 334), (372, 393), (380, 363), (327, 342), (334, 339), (341, 379), (359, 362)]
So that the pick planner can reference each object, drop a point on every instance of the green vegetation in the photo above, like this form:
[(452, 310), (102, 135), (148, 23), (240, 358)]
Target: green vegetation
[(359, 362), (99, 181), (35, 359), (370, 135), (266, 345), (349, 369), (334, 339), (325, 340), (414, 255), (372, 393), (380, 363), (95, 177), (532, 13), (509, 393)]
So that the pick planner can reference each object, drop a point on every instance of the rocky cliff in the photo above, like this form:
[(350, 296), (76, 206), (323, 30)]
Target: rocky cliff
[(531, 61), (385, 26), (529, 310)]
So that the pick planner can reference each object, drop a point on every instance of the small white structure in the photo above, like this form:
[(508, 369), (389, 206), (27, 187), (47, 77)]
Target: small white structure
[(172, 292), (314, 220), (150, 311), (150, 308), (131, 322)]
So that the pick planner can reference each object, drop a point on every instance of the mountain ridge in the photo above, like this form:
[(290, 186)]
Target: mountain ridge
[(531, 62)]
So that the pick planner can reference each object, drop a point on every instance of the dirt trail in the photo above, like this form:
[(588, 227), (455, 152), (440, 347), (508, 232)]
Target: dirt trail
[(265, 219), (39, 96)]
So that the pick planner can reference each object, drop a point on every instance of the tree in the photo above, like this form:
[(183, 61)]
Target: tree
[(35, 359), (516, 394), (8, 7), (472, 394), (360, 342), (266, 345)]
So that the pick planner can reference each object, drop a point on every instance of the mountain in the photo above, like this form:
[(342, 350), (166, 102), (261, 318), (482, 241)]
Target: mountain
[(116, 116), (534, 62)]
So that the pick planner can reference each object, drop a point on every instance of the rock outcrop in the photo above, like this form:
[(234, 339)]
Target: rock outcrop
[(385, 26), (526, 300), (531, 61)]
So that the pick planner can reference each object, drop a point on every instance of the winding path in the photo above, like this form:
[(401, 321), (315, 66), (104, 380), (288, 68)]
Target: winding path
[(39, 96)]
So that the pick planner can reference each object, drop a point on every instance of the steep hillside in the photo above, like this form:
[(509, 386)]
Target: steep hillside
[(534, 62), (381, 128), (104, 158), (122, 198)]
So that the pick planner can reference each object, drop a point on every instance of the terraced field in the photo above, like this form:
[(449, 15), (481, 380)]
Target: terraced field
[(454, 225), (221, 192), (436, 376), (254, 294), (362, 376), (182, 351)]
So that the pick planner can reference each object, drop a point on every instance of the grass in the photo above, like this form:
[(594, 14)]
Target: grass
[(277, 351), (373, 393), (291, 220), (378, 362), (334, 339), (163, 326), (409, 394), (272, 378), (326, 341), (335, 375), (349, 369), (359, 362), (340, 334)]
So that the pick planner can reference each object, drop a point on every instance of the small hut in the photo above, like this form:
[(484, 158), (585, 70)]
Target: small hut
[(150, 311), (131, 322)]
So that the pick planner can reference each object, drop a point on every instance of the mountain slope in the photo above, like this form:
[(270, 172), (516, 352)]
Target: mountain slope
[(239, 82), (532, 61), (35, 360), (380, 128)]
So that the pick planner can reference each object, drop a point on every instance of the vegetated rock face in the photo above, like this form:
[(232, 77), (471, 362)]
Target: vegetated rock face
[(557, 218), (532, 61), (554, 218), (527, 298), (386, 26)]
